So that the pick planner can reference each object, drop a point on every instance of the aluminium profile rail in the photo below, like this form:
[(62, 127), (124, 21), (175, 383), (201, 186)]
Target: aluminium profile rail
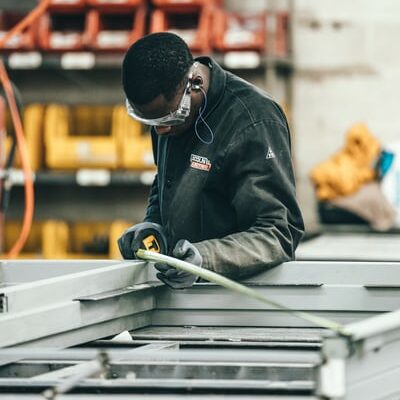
[(93, 300), (366, 366), (124, 295)]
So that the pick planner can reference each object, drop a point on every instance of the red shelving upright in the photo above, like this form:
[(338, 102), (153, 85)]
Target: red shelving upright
[(236, 32), (191, 22), (23, 41), (115, 29), (63, 31), (115, 5), (67, 5), (281, 34), (183, 5)]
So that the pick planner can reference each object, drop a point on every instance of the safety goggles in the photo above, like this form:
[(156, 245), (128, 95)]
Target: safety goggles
[(176, 117)]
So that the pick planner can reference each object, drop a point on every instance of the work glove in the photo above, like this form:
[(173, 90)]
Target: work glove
[(132, 239), (177, 279)]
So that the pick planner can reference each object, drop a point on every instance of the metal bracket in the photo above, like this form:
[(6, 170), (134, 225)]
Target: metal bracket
[(3, 303), (120, 292)]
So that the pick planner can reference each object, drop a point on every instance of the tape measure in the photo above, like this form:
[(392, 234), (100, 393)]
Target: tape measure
[(239, 288), (151, 243)]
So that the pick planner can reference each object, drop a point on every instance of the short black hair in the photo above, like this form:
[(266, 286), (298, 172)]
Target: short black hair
[(155, 64)]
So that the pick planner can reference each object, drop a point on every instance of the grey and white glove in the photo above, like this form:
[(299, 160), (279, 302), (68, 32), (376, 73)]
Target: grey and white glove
[(132, 239), (177, 279)]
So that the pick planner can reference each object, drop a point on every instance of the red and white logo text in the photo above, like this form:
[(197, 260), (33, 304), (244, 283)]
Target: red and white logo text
[(200, 162)]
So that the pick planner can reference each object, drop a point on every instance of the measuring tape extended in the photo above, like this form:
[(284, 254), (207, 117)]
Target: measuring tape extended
[(239, 288)]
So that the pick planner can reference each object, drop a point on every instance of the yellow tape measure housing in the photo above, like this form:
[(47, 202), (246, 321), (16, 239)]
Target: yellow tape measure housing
[(150, 243)]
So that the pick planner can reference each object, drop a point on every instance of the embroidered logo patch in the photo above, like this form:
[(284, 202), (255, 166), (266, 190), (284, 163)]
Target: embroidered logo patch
[(200, 162), (270, 153)]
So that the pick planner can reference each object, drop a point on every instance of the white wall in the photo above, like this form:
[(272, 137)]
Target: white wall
[(347, 69)]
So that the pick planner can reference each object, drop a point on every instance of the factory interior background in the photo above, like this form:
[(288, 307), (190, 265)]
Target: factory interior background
[(332, 65)]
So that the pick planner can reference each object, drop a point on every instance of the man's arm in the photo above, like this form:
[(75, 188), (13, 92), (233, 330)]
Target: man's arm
[(260, 183)]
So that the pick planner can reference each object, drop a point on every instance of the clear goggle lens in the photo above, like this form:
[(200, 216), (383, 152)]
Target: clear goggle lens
[(176, 117)]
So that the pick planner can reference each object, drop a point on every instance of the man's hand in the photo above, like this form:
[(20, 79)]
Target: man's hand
[(132, 239), (177, 279)]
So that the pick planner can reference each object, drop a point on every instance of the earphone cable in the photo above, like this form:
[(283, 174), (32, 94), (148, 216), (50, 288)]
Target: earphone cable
[(201, 118)]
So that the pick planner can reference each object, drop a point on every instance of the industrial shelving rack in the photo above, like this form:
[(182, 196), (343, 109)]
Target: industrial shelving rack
[(88, 77)]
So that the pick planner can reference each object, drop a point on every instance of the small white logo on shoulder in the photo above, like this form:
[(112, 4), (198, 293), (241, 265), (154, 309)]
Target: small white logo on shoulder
[(270, 154), (200, 162)]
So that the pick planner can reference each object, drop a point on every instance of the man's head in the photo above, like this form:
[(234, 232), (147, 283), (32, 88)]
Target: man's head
[(155, 75)]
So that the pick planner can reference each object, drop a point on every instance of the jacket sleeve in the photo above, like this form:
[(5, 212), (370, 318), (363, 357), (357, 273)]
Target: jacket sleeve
[(261, 188), (153, 205)]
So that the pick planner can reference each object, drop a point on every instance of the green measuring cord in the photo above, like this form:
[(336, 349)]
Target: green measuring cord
[(238, 288)]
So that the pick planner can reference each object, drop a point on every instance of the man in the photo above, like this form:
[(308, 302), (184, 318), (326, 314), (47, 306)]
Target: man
[(224, 194)]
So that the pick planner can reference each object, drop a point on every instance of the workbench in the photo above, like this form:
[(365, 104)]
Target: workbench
[(58, 318)]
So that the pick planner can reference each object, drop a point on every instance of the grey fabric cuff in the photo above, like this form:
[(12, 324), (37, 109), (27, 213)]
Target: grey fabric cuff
[(204, 252)]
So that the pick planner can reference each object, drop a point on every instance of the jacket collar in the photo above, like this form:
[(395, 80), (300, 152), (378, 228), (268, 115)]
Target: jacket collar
[(217, 84)]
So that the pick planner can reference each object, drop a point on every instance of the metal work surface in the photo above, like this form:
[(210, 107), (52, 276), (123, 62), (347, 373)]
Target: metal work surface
[(364, 367), (351, 246), (95, 299), (233, 335), (99, 299), (203, 341), (140, 396)]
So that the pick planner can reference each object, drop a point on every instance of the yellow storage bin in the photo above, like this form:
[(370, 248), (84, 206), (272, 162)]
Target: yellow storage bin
[(2, 132), (88, 240), (33, 121), (135, 147), (46, 239), (95, 239), (117, 228), (80, 137), (53, 239)]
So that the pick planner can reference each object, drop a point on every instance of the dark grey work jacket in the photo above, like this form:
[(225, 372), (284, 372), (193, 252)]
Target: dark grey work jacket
[(235, 198)]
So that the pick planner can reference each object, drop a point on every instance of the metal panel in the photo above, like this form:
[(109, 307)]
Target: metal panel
[(171, 386), (375, 374), (326, 297), (282, 372), (114, 289), (214, 334), (69, 316), (64, 371), (92, 332), (197, 355), (71, 286), (20, 271), (250, 318), (351, 247), (139, 396), (330, 273)]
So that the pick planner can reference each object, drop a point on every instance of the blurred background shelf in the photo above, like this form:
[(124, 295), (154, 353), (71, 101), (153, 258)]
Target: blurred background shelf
[(71, 60), (91, 60), (86, 177)]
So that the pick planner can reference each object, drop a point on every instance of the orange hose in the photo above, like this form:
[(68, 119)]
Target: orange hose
[(21, 143), (22, 148), (24, 23)]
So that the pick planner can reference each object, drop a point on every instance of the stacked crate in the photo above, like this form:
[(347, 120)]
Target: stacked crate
[(192, 20), (56, 239)]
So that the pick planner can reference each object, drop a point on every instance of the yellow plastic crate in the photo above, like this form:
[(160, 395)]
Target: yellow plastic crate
[(87, 239), (46, 239), (80, 137), (54, 239), (117, 228), (33, 129), (135, 147), (2, 132)]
